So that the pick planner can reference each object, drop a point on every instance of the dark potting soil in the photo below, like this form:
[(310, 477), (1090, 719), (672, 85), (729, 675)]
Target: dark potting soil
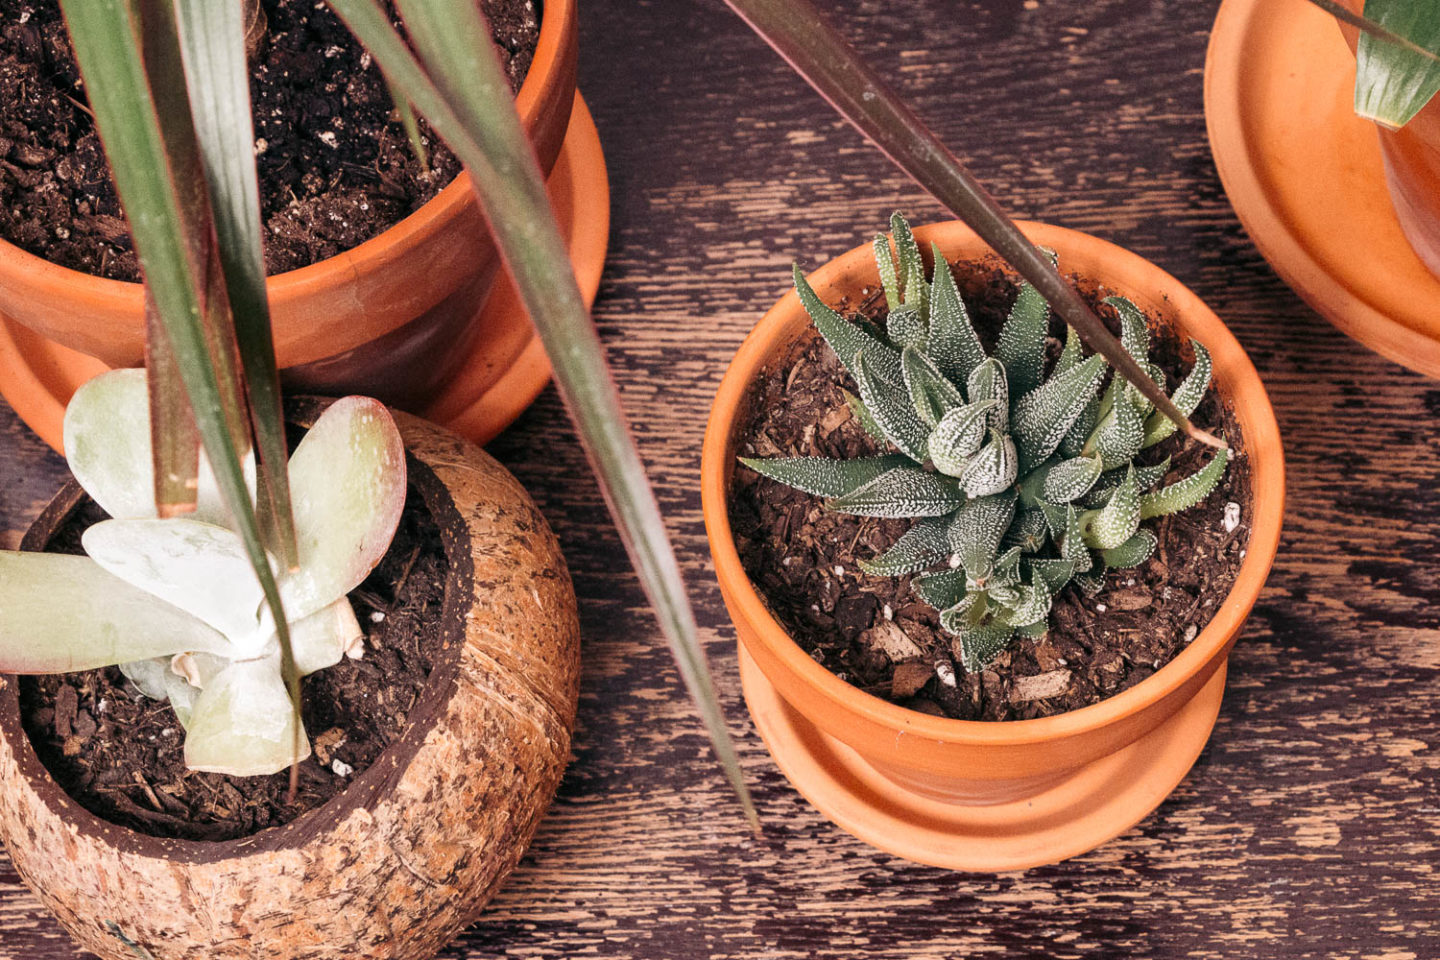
[(335, 165), (121, 755), (874, 633)]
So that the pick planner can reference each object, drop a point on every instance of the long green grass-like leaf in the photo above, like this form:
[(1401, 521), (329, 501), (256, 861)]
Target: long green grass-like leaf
[(174, 440), (1393, 83), (463, 92), (216, 74), (129, 56), (801, 34)]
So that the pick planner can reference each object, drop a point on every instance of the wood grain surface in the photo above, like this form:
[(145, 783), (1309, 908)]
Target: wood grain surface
[(1309, 827)]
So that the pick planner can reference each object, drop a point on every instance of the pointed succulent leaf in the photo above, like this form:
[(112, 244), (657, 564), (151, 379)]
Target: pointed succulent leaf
[(1071, 355), (1186, 397), (347, 483), (823, 477), (993, 469), (1079, 433), (1141, 401), (987, 382), (1072, 542), (892, 410), (1132, 552), (965, 613), (1029, 531), (1119, 519), (1134, 331), (1184, 494), (953, 343), (1006, 572), (1070, 479), (1145, 478), (907, 254), (1044, 415), (845, 337), (958, 436), (198, 567), (1033, 605), (1091, 581), (933, 395), (945, 590), (1054, 573), (903, 492), (885, 263), (977, 530), (1021, 347), (242, 722), (906, 328), (61, 613), (923, 545), (917, 291), (1122, 431), (1056, 519), (862, 416), (980, 646)]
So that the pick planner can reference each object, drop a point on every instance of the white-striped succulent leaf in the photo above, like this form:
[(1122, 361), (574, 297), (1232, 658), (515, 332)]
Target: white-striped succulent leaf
[(978, 529), (1145, 478), (1045, 415), (1121, 430), (1032, 606), (1118, 520), (1134, 331), (944, 590), (923, 545), (824, 477), (885, 264), (987, 382), (1091, 581), (980, 646), (1132, 552), (1021, 347), (993, 469), (1078, 436), (958, 437), (1186, 397), (1072, 541), (846, 337), (1186, 493), (1069, 480), (1029, 531), (933, 396), (1055, 573), (917, 291), (903, 492), (862, 416), (892, 410), (906, 328), (907, 255), (242, 724), (953, 343)]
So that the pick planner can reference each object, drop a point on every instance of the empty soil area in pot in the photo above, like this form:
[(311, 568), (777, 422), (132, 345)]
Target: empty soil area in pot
[(335, 165), (876, 634), (121, 755)]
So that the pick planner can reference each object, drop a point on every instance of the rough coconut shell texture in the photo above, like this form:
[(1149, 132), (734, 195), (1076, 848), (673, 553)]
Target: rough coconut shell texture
[(406, 857)]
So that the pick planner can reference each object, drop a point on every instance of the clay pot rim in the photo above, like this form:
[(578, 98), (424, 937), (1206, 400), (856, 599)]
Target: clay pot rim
[(103, 294), (362, 792), (1123, 272)]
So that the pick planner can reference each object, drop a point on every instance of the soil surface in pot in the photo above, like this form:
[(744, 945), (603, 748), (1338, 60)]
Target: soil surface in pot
[(121, 755), (335, 165), (875, 634)]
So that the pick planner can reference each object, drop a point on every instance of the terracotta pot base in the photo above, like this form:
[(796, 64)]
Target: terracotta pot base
[(1306, 178), (1077, 814), (507, 367)]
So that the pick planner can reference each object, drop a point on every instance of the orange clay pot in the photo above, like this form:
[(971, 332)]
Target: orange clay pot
[(969, 794), (390, 318), (1412, 167)]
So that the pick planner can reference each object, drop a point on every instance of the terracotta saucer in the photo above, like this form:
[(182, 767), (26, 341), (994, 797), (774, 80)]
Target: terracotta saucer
[(507, 369), (1306, 178), (1096, 804)]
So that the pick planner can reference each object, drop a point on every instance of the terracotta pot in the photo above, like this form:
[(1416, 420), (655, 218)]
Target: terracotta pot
[(1412, 167), (391, 318), (970, 794), (402, 860)]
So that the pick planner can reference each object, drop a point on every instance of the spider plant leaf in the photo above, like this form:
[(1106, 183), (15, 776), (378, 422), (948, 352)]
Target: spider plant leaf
[(953, 343), (1186, 398), (1184, 494), (933, 395), (978, 529), (1119, 519), (885, 264), (1021, 347), (241, 722), (1045, 415), (63, 613), (903, 492), (906, 327), (993, 469), (1393, 84), (891, 409), (923, 545), (979, 646), (988, 382), (1132, 552), (958, 437), (410, 122), (824, 477)]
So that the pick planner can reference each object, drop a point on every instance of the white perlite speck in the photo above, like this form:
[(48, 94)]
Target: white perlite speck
[(1232, 516), (1101, 607), (1190, 632), (340, 768), (327, 137), (839, 570), (889, 612), (377, 616), (946, 673)]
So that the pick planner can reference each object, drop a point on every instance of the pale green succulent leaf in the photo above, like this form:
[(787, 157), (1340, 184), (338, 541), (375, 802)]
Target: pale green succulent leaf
[(953, 343), (323, 638), (1186, 493), (862, 416), (978, 529), (885, 263), (906, 327), (903, 492), (1054, 573), (979, 646), (823, 477), (1145, 478), (1118, 520), (1032, 606), (958, 437), (988, 382), (62, 613), (917, 291), (932, 394), (1186, 397), (1071, 355), (993, 469), (148, 676), (923, 545), (1045, 415), (1091, 581), (1122, 430), (1132, 552), (1069, 480), (892, 410), (907, 253), (241, 723)]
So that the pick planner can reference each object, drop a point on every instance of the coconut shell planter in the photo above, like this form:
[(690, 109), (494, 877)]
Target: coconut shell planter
[(1053, 703), (434, 756)]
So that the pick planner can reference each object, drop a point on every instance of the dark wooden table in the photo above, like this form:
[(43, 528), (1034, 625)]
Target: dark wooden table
[(1310, 825)]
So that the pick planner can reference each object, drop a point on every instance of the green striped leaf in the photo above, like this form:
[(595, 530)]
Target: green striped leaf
[(823, 477), (933, 396), (885, 263), (1134, 331), (1132, 552), (903, 492), (1070, 479), (980, 646), (923, 545), (1187, 397), (987, 382), (958, 436), (1184, 494), (1118, 520), (947, 591), (977, 530), (892, 410), (993, 469), (953, 343), (1045, 415), (1021, 347), (906, 327)]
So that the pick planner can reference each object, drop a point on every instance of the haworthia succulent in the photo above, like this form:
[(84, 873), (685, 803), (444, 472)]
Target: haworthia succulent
[(932, 394), (923, 545), (907, 253), (987, 382), (1072, 353), (958, 436), (903, 492), (1044, 415), (1055, 573), (1021, 348), (1132, 552), (1028, 531), (1184, 494), (946, 590), (892, 410), (1070, 479), (885, 263), (1032, 604), (953, 343), (981, 645), (977, 530), (1134, 331), (822, 477), (1118, 520), (846, 338), (1121, 431), (917, 291), (1145, 478), (1186, 397), (993, 469), (906, 327), (862, 416)]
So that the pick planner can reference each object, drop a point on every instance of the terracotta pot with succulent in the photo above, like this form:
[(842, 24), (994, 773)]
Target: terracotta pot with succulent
[(967, 634), (392, 313), (221, 575)]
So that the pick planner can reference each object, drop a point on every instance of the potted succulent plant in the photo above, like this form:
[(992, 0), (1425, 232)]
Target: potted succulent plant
[(964, 635), (393, 316)]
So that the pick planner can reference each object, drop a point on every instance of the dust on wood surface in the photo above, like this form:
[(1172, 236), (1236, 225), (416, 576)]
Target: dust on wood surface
[(1310, 827)]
